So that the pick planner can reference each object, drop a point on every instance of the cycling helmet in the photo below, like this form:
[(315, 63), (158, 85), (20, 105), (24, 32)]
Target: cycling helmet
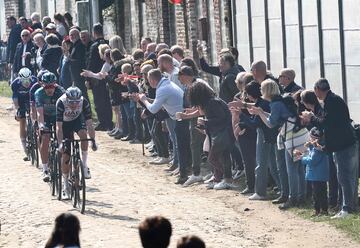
[(48, 78), (73, 93), (41, 73), (25, 73)]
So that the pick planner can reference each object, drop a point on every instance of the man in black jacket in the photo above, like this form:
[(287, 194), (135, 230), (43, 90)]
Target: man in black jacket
[(77, 61), (22, 55), (340, 140), (286, 80), (13, 40), (100, 92)]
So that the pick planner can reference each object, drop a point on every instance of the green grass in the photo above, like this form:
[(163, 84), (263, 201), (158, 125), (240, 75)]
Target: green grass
[(349, 225), (5, 89)]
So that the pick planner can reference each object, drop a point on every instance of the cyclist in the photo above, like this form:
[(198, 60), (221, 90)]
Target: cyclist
[(20, 88), (45, 102), (33, 89), (73, 114)]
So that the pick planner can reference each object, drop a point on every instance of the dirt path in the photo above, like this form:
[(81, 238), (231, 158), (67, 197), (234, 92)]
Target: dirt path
[(124, 190)]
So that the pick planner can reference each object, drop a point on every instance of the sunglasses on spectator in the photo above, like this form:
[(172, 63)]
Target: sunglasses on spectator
[(25, 35)]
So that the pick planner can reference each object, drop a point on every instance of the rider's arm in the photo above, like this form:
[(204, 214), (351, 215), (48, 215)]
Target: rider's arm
[(33, 112), (87, 114), (59, 131), (15, 94), (40, 113)]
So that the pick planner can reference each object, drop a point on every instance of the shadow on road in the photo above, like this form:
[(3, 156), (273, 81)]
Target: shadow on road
[(98, 214)]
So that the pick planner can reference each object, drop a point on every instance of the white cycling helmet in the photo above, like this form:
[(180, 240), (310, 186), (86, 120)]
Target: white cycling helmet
[(73, 93), (25, 73)]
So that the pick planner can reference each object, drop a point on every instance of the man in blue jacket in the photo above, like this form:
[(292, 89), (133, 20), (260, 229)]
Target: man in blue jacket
[(13, 40)]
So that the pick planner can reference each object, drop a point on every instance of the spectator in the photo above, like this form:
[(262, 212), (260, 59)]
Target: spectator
[(36, 22), (150, 50), (258, 69), (229, 71), (155, 232), (317, 171), (77, 61), (166, 65), (25, 24), (68, 19), (218, 126), (61, 26), (45, 21), (117, 42), (339, 139), (64, 68), (23, 53), (66, 232), (177, 52), (138, 54), (13, 39), (51, 55), (286, 80), (190, 62), (187, 77), (190, 241), (144, 43), (51, 29), (285, 115), (100, 92), (86, 40), (246, 135), (39, 41)]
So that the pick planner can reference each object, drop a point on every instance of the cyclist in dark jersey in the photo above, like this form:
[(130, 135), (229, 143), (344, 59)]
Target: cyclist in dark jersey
[(45, 102), (73, 114), (20, 88), (33, 89)]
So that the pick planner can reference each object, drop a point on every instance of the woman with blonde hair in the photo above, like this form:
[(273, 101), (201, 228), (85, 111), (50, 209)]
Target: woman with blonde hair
[(117, 42)]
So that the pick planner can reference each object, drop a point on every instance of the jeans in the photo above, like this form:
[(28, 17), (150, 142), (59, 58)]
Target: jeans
[(264, 154), (347, 164), (170, 123), (138, 124), (124, 118), (130, 121), (333, 183), (282, 170), (319, 190), (248, 151), (183, 144), (196, 145), (296, 177)]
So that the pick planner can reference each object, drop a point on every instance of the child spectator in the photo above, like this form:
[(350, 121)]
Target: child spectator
[(317, 170)]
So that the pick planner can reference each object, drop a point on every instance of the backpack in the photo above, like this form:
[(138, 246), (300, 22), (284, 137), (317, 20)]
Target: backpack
[(290, 104)]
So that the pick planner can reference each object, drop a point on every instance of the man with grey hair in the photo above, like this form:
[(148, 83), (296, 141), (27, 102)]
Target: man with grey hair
[(36, 22), (286, 80), (22, 55), (340, 139), (85, 38)]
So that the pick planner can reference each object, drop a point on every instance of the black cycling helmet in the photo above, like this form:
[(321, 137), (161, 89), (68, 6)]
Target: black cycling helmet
[(73, 93), (48, 78)]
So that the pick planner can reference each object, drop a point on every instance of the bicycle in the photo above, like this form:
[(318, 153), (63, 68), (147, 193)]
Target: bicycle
[(54, 164), (77, 178), (32, 150)]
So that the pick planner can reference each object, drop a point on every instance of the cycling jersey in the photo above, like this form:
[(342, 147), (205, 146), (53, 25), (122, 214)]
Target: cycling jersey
[(21, 92), (33, 89), (64, 113), (48, 103)]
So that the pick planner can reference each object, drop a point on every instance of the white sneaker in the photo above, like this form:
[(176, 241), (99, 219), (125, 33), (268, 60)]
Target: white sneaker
[(162, 161), (87, 174), (154, 160), (208, 176), (256, 197), (211, 185), (340, 215), (150, 144), (223, 185), (10, 108), (193, 179), (175, 172), (211, 179), (65, 192)]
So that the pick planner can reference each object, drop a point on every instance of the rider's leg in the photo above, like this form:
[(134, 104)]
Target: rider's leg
[(84, 146), (23, 133), (44, 151)]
